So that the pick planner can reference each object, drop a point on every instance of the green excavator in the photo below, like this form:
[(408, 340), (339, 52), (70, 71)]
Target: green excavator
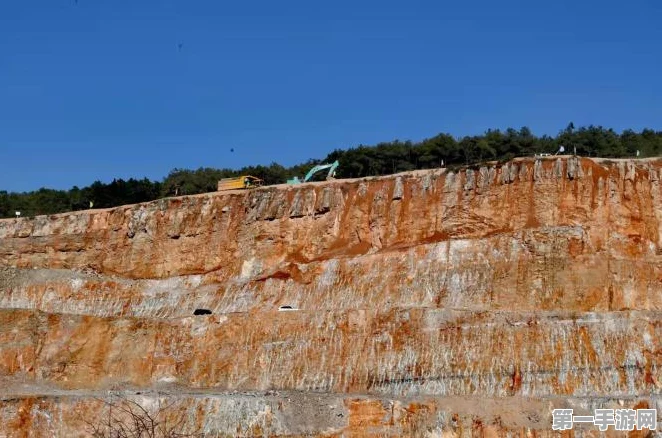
[(331, 175)]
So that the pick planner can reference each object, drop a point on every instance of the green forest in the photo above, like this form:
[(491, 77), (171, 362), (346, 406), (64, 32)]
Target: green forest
[(380, 159)]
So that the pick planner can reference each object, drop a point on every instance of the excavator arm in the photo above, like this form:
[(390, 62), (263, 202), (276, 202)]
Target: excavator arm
[(332, 171), (318, 168)]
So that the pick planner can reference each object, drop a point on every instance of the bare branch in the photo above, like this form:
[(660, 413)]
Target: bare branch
[(127, 418)]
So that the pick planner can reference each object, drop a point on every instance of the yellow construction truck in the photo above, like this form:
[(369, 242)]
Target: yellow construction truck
[(240, 182)]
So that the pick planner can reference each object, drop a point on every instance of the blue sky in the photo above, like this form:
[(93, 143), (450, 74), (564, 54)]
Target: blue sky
[(101, 88)]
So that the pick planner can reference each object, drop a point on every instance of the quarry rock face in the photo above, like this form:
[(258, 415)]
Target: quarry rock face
[(432, 303)]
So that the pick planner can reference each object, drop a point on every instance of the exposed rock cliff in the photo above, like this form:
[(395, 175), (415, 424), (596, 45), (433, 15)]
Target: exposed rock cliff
[(469, 302)]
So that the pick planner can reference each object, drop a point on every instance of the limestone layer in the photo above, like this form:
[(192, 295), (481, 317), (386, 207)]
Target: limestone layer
[(466, 303)]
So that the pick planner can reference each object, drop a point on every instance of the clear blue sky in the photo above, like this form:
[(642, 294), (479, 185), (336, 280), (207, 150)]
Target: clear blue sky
[(101, 88)]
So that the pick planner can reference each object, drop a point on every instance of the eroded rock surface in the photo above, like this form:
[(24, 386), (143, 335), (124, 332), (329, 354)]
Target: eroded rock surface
[(432, 303)]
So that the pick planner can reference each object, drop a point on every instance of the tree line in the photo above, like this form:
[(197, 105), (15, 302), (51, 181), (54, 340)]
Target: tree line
[(381, 159)]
